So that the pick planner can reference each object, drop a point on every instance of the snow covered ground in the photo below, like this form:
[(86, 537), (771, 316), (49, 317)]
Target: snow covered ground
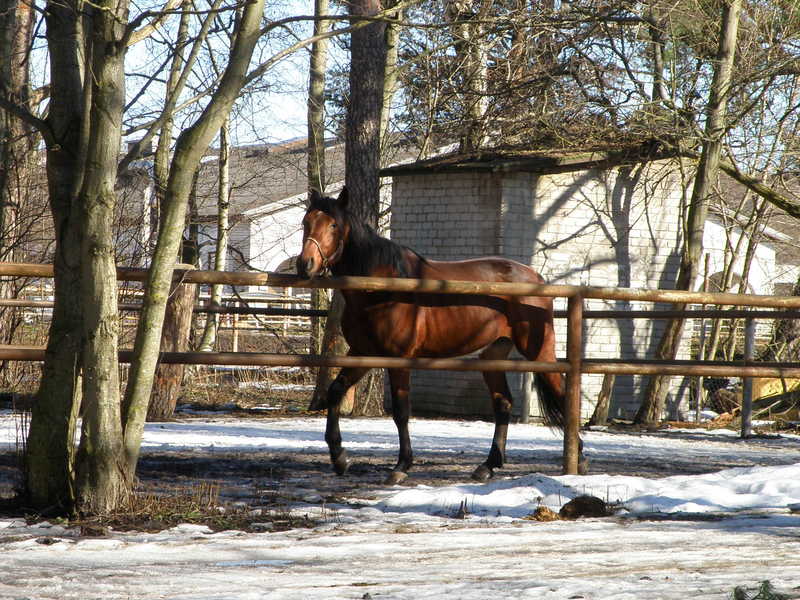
[(678, 537)]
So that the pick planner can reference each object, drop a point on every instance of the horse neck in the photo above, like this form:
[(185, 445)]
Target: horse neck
[(372, 256)]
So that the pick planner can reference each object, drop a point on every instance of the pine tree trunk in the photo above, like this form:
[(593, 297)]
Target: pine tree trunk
[(363, 150), (363, 144)]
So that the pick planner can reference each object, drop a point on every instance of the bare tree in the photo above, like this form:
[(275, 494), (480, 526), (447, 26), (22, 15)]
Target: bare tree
[(223, 233), (653, 404), (190, 147), (17, 146)]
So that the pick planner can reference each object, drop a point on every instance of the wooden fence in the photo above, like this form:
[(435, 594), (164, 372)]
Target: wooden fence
[(574, 365)]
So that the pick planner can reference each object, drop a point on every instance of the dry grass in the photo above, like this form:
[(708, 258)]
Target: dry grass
[(198, 505)]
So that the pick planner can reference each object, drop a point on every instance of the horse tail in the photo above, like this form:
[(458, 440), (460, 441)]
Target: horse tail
[(551, 398)]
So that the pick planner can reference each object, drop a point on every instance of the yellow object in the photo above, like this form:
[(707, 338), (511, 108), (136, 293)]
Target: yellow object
[(764, 387)]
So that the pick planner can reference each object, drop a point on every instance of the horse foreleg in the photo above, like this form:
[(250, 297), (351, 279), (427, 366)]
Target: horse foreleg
[(347, 378), (400, 379), (502, 403)]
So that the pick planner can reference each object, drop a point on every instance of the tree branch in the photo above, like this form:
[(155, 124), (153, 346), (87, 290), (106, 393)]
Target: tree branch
[(134, 36), (790, 207), (21, 113)]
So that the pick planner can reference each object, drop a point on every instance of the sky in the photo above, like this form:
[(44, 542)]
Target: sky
[(685, 536)]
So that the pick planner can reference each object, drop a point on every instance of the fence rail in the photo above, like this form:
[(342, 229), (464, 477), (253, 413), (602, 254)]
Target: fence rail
[(574, 365), (436, 286)]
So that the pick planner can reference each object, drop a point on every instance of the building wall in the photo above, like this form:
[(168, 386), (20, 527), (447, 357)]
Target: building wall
[(761, 276), (601, 228), (447, 217), (617, 228)]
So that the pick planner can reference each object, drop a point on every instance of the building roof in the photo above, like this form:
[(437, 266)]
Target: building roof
[(781, 230), (262, 175), (265, 176), (539, 161)]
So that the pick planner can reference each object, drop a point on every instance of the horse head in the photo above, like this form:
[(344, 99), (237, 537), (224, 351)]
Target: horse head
[(325, 233)]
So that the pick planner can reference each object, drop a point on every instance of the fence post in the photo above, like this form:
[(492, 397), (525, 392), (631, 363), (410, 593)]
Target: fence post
[(235, 330), (572, 408), (747, 382), (527, 397)]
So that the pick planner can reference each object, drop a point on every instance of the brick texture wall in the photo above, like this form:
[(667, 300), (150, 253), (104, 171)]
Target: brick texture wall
[(615, 227)]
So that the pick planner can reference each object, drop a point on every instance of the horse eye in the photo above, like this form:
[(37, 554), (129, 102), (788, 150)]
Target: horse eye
[(334, 225)]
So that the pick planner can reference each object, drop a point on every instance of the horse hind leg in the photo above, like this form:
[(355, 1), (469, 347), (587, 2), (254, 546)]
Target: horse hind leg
[(400, 379), (538, 344), (502, 403)]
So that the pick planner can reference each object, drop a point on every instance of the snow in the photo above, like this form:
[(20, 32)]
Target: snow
[(674, 537)]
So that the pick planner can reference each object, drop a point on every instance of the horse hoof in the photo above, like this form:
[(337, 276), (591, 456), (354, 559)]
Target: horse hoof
[(341, 464), (395, 478), (482, 473)]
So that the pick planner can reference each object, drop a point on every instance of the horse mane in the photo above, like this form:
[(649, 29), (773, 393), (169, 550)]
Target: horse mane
[(365, 249)]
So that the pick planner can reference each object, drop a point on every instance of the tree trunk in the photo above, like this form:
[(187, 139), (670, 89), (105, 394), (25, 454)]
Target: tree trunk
[(162, 154), (655, 395), (600, 414), (175, 338), (100, 485), (223, 227), (316, 102), (472, 60), (189, 149), (50, 448), (390, 72), (363, 150), (316, 151), (333, 344), (363, 144), (17, 144)]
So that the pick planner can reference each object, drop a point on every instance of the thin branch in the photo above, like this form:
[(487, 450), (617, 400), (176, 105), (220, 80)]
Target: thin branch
[(25, 115), (134, 36)]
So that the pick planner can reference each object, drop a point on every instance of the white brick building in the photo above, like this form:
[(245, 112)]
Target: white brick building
[(582, 219)]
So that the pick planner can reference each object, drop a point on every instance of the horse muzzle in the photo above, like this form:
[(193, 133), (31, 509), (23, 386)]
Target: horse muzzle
[(306, 267)]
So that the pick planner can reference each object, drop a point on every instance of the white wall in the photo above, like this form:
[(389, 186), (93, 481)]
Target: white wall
[(602, 228), (761, 277)]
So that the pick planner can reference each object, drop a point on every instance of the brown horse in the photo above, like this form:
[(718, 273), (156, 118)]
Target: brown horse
[(415, 325)]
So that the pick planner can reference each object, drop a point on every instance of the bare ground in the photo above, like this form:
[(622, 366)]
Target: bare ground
[(254, 477)]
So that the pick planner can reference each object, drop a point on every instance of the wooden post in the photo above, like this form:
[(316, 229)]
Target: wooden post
[(747, 382), (572, 408), (235, 330), (174, 338), (701, 351), (527, 397)]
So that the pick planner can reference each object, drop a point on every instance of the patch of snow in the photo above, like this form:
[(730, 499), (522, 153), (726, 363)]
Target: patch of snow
[(405, 544)]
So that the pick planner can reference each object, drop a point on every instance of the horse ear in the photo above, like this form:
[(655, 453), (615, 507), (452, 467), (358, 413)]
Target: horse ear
[(313, 196), (344, 197)]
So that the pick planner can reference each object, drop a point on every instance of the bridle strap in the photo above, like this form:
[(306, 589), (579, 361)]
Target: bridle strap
[(326, 260)]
